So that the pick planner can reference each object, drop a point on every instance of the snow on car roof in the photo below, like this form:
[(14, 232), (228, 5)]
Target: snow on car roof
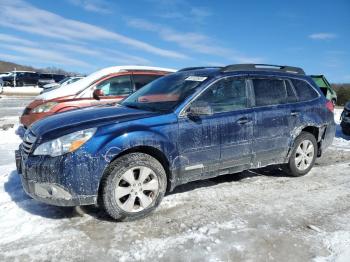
[(83, 83)]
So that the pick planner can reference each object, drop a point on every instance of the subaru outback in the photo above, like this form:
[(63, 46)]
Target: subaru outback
[(194, 124)]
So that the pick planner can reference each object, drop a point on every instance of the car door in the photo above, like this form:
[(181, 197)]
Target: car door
[(275, 116), (211, 142)]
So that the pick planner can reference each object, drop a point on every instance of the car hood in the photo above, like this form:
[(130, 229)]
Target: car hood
[(74, 120), (50, 85)]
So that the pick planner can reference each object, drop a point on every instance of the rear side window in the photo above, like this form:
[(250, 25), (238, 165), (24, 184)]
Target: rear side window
[(142, 80), (304, 91), (273, 92)]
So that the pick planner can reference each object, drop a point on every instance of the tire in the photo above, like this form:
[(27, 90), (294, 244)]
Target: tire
[(300, 164), (129, 174), (346, 131)]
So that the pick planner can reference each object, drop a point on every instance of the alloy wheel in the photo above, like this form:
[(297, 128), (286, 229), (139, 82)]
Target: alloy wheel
[(137, 189), (304, 155)]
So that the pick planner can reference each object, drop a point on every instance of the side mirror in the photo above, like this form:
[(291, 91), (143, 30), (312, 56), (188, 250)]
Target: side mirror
[(199, 109), (97, 93)]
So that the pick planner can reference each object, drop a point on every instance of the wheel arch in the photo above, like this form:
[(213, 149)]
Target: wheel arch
[(146, 149)]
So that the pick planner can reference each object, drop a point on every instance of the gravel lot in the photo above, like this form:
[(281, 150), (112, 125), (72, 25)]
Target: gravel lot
[(258, 215)]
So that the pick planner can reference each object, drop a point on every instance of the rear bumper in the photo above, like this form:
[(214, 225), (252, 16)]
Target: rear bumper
[(327, 137)]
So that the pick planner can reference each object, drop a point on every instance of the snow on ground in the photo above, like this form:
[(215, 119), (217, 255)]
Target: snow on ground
[(256, 215)]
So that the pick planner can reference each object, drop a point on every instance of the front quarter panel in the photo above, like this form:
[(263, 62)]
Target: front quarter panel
[(157, 132)]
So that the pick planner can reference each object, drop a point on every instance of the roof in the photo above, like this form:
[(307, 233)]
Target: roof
[(248, 68), (22, 71), (115, 69), (76, 87)]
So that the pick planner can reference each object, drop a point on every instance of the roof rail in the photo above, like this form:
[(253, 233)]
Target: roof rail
[(263, 67), (197, 67)]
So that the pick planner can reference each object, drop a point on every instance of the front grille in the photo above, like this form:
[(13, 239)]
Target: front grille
[(26, 111), (28, 141)]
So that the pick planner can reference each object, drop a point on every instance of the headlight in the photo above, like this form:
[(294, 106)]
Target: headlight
[(44, 107), (65, 144)]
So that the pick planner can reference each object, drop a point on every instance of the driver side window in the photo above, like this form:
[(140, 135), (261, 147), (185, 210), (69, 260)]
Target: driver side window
[(116, 86), (226, 95)]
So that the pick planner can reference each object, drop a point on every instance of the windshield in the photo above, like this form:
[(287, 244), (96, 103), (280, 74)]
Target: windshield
[(64, 80), (165, 93)]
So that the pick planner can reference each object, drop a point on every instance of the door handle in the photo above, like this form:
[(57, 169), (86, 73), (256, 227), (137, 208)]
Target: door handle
[(294, 113), (244, 120)]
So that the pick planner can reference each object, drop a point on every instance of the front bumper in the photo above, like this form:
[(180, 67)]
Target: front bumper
[(67, 180), (53, 194), (21, 130)]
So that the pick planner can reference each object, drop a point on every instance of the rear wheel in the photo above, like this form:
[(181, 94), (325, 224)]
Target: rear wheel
[(134, 186), (303, 155)]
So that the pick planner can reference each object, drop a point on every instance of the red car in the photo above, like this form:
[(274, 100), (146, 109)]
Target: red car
[(108, 85)]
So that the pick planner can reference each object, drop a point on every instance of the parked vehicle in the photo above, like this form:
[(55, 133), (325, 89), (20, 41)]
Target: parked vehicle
[(21, 78), (29, 78), (190, 125), (46, 78), (63, 82), (325, 87), (108, 85), (345, 119), (4, 74)]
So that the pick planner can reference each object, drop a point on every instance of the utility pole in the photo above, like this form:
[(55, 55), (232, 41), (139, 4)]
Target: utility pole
[(14, 78)]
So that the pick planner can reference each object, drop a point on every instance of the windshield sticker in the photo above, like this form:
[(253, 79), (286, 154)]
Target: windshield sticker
[(196, 78)]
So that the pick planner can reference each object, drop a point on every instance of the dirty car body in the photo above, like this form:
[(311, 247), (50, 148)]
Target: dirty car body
[(345, 119), (191, 134)]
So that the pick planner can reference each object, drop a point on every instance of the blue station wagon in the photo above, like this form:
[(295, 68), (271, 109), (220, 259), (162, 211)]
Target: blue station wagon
[(194, 124)]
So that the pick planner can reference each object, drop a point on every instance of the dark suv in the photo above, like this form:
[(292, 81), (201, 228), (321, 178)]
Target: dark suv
[(27, 78), (21, 78), (345, 119), (194, 124), (45, 78)]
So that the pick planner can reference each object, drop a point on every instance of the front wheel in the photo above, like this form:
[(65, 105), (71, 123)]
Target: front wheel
[(303, 155), (134, 186)]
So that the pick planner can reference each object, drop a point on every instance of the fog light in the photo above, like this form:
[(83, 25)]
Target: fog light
[(47, 190)]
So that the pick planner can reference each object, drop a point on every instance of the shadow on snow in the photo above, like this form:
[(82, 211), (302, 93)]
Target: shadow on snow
[(14, 188)]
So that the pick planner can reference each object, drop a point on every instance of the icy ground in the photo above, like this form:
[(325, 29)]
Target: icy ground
[(259, 215)]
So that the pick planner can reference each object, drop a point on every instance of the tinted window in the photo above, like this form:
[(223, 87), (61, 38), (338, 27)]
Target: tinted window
[(142, 80), (116, 86), (272, 92), (304, 91), (45, 76), (225, 95), (58, 78), (165, 93)]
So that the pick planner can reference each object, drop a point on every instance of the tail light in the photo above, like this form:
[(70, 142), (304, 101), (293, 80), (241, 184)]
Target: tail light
[(330, 106)]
